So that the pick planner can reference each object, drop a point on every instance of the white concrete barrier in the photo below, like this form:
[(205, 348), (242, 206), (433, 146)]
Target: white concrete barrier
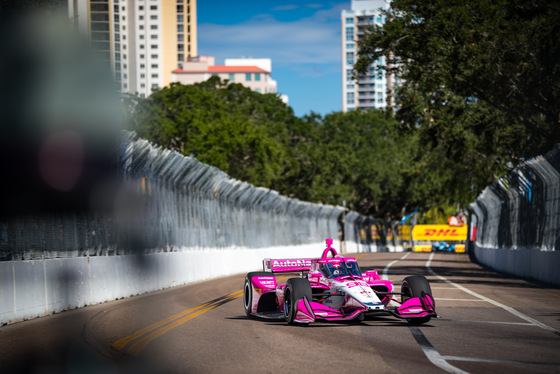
[(534, 264), (30, 289)]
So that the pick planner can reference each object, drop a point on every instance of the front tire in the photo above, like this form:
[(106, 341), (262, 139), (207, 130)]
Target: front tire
[(415, 286), (248, 290), (295, 290)]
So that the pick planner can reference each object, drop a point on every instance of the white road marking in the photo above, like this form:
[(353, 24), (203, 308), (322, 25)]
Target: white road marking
[(384, 275), (493, 302), (431, 353), (442, 299), (428, 349), (442, 361)]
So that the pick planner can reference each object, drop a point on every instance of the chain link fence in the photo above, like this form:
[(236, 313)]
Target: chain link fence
[(521, 210), (368, 234), (168, 202)]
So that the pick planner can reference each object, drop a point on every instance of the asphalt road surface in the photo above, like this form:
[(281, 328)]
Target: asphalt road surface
[(488, 323)]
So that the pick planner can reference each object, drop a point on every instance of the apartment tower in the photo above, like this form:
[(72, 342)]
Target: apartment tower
[(142, 40), (374, 89)]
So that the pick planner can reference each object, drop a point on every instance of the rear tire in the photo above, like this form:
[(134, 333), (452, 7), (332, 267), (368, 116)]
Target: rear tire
[(414, 286), (248, 290), (295, 290)]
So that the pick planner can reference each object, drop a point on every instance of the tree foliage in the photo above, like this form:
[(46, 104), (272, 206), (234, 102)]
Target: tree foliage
[(479, 87), (360, 157), (477, 97), (492, 60), (241, 132), (363, 159)]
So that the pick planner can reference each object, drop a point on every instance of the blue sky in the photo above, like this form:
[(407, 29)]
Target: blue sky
[(301, 38)]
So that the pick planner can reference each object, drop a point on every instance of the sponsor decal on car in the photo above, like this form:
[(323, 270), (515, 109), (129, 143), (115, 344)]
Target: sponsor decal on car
[(290, 263), (356, 284)]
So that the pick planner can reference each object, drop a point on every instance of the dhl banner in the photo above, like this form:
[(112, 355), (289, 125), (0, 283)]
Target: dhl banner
[(423, 248), (403, 232), (459, 248), (374, 233), (389, 235), (439, 232)]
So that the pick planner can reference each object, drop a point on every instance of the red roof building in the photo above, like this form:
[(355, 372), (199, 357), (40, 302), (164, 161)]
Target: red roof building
[(201, 68)]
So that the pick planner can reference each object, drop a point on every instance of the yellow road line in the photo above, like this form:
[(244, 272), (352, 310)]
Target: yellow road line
[(120, 344), (139, 345), (144, 336)]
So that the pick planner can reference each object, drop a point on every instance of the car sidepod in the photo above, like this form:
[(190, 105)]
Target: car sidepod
[(384, 287), (259, 297)]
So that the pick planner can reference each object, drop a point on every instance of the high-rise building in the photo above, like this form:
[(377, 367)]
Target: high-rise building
[(374, 89), (142, 40)]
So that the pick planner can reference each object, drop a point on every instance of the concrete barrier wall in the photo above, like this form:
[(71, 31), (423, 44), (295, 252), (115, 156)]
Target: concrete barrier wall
[(354, 247), (36, 288), (543, 266)]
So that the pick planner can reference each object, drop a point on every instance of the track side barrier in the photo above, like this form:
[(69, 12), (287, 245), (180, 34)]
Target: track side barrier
[(175, 221), (514, 224)]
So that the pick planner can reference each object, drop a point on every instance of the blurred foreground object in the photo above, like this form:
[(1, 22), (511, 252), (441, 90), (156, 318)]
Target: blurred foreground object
[(59, 118)]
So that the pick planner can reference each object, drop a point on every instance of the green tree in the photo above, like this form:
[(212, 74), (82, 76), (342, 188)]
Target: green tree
[(243, 133), (465, 146), (364, 159), (498, 54), (379, 166)]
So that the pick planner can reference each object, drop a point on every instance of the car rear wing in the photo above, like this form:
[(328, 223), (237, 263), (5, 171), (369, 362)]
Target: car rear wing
[(286, 265)]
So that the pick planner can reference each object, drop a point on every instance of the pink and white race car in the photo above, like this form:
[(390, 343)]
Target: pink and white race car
[(332, 289)]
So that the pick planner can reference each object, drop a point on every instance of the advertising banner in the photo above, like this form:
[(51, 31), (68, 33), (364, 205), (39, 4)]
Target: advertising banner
[(439, 233)]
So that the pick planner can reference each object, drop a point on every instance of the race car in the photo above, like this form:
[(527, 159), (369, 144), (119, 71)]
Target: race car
[(332, 289), (443, 247)]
